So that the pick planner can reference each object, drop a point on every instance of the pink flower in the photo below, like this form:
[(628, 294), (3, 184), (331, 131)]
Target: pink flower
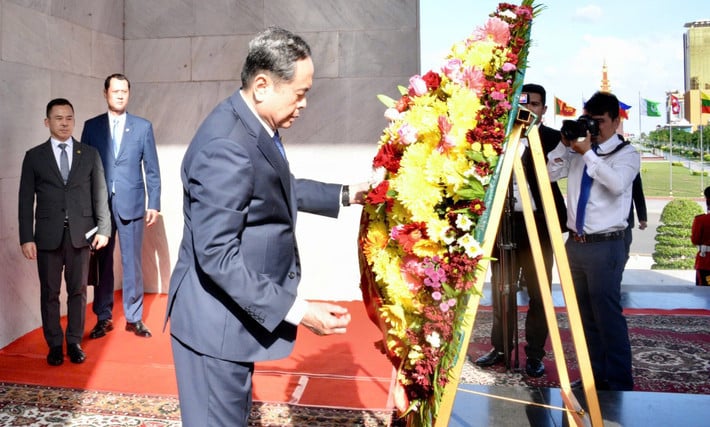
[(436, 295), (474, 79), (417, 85), (508, 67), (498, 30), (408, 134), (412, 272), (446, 305), (446, 142), (498, 95), (452, 69)]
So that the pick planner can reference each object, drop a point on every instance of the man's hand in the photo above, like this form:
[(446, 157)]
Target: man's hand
[(151, 217), (580, 145), (323, 318), (643, 225), (358, 192), (29, 250), (99, 241)]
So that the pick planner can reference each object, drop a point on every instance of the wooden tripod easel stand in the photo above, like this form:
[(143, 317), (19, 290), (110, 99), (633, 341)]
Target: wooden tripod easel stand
[(576, 415)]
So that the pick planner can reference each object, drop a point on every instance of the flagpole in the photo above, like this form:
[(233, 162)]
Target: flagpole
[(554, 114), (670, 133), (640, 115), (702, 161)]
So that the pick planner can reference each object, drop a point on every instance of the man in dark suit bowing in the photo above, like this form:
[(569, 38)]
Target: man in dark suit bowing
[(536, 330), (127, 147), (233, 293), (62, 197)]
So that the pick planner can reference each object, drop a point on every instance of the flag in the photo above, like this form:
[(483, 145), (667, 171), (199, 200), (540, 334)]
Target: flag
[(704, 103), (675, 105), (623, 110), (562, 109), (649, 108)]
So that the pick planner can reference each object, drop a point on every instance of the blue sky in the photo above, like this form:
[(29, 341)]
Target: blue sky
[(641, 42)]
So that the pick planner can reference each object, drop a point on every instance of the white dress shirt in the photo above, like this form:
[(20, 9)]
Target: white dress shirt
[(120, 127), (58, 151), (524, 144), (610, 195)]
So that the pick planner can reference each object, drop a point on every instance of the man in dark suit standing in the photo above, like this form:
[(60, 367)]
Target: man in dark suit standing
[(233, 293), (66, 181), (536, 330), (127, 147)]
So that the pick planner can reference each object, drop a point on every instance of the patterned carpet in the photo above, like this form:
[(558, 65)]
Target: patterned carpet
[(671, 354), (27, 405)]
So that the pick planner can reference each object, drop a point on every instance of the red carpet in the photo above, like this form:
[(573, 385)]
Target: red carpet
[(337, 371)]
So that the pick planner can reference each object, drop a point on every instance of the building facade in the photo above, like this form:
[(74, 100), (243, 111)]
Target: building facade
[(696, 67)]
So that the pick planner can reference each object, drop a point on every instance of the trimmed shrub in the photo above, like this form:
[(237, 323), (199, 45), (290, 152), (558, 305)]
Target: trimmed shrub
[(673, 250)]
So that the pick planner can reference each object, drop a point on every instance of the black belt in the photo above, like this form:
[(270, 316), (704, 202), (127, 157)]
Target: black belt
[(598, 237)]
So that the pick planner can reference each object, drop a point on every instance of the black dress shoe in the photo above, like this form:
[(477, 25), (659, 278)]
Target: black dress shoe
[(76, 354), (139, 329), (55, 356), (102, 326), (534, 368), (491, 358)]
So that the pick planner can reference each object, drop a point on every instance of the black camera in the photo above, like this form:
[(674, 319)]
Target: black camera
[(573, 129)]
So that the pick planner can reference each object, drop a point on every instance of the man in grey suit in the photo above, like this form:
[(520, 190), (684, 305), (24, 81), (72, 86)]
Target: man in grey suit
[(233, 293), (127, 147), (62, 197)]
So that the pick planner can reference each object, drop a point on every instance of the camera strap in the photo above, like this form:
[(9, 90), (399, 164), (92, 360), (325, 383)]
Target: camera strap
[(618, 147)]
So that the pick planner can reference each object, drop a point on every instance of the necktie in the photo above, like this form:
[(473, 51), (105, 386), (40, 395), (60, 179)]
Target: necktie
[(584, 190), (114, 138), (279, 145), (64, 162)]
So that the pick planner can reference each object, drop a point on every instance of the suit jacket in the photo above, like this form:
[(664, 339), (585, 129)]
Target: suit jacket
[(638, 200), (83, 200), (138, 154), (700, 235), (238, 269)]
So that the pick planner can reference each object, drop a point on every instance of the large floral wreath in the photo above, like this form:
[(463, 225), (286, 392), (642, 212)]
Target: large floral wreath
[(418, 249)]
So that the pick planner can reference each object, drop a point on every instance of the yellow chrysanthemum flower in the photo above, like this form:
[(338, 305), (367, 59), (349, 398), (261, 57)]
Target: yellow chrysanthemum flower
[(428, 248)]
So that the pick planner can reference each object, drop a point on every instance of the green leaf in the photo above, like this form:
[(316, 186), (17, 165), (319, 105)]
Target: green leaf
[(389, 102), (474, 190)]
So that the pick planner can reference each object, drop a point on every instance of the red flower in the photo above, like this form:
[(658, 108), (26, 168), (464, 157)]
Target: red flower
[(477, 206), (432, 79), (378, 195), (403, 103), (388, 157), (409, 234)]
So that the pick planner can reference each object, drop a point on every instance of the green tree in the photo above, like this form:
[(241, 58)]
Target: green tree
[(673, 250)]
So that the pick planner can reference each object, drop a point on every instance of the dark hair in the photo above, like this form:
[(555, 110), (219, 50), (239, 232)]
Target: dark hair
[(117, 76), (275, 51), (603, 102), (535, 88), (707, 192), (58, 101)]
